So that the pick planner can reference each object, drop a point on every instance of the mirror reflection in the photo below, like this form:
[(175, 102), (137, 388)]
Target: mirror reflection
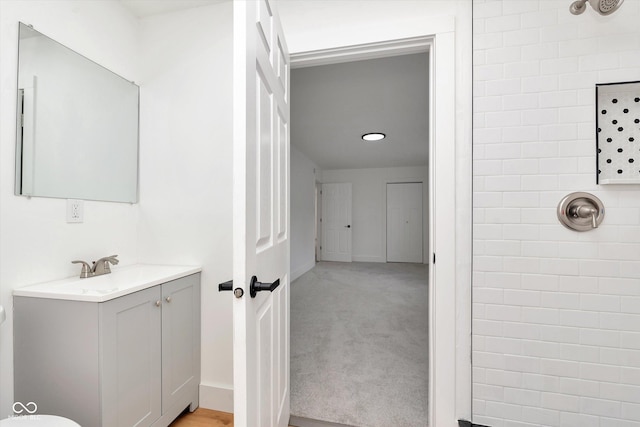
[(77, 127)]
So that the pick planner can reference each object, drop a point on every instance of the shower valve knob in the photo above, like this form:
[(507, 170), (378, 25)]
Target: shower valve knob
[(585, 211), (580, 211)]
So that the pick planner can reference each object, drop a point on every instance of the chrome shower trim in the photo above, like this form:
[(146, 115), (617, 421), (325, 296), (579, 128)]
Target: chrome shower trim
[(603, 7), (578, 7)]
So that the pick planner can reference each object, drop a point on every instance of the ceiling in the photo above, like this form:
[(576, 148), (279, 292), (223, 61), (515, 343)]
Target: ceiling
[(332, 106)]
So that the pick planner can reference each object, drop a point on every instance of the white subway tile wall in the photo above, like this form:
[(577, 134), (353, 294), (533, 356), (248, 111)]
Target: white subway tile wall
[(556, 313)]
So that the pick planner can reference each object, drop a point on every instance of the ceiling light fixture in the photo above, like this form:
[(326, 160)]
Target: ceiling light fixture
[(374, 136)]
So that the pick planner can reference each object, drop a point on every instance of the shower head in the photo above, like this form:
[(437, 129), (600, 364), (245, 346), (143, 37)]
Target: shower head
[(603, 7)]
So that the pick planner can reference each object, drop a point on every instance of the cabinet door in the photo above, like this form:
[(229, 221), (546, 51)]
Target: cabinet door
[(180, 341), (131, 344)]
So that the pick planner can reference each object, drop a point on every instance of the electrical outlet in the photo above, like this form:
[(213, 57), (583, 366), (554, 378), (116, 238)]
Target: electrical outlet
[(75, 210)]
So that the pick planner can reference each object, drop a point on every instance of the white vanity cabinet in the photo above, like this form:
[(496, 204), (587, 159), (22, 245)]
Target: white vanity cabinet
[(133, 360)]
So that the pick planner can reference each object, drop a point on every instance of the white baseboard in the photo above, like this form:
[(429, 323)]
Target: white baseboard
[(301, 270), (368, 258), (217, 397)]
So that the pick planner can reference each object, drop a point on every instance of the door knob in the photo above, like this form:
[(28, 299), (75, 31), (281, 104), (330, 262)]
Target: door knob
[(228, 286), (256, 286), (580, 211), (348, 226)]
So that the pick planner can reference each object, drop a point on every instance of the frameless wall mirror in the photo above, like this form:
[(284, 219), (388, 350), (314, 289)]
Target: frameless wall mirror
[(77, 125)]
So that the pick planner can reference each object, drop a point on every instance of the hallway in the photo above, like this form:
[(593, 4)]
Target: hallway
[(359, 344)]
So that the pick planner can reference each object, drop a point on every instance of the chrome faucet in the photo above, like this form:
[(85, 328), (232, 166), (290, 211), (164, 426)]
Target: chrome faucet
[(99, 267)]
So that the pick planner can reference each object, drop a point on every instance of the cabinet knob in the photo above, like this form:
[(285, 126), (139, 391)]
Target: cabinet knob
[(168, 299), (158, 303)]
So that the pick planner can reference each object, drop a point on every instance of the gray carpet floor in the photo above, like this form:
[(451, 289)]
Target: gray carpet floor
[(359, 344)]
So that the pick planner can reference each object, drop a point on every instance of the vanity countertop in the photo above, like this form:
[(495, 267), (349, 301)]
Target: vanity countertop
[(122, 281)]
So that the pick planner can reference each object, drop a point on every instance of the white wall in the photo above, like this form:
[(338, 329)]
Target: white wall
[(186, 162), (556, 329), (304, 174), (36, 243), (369, 209)]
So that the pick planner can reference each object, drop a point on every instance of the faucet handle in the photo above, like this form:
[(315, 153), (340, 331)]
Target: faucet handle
[(113, 259), (86, 268), (101, 266)]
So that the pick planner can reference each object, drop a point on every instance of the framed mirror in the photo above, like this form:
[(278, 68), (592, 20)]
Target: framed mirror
[(77, 125)]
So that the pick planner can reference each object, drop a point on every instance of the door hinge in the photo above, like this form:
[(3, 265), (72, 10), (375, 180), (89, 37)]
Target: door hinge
[(320, 247), (434, 257), (320, 219), (21, 119)]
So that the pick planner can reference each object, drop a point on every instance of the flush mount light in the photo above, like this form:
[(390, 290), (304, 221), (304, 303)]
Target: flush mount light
[(373, 136)]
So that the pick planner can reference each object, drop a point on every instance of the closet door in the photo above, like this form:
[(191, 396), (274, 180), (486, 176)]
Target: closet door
[(404, 222)]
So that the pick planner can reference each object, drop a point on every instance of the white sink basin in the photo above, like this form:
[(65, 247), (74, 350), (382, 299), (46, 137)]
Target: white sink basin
[(121, 281)]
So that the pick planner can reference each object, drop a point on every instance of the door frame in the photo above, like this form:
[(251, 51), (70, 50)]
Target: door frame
[(318, 216), (449, 306)]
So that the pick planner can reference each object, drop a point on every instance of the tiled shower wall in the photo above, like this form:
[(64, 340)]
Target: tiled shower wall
[(556, 313)]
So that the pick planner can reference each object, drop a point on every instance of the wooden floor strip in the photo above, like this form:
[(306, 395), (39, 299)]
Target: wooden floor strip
[(204, 418)]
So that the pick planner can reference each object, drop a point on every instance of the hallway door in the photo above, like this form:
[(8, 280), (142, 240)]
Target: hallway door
[(260, 217), (336, 222), (404, 222)]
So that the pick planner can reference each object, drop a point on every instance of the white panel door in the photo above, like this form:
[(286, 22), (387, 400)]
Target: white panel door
[(404, 222), (336, 222), (260, 216)]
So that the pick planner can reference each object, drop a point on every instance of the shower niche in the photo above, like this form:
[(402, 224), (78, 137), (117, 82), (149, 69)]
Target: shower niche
[(618, 133)]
